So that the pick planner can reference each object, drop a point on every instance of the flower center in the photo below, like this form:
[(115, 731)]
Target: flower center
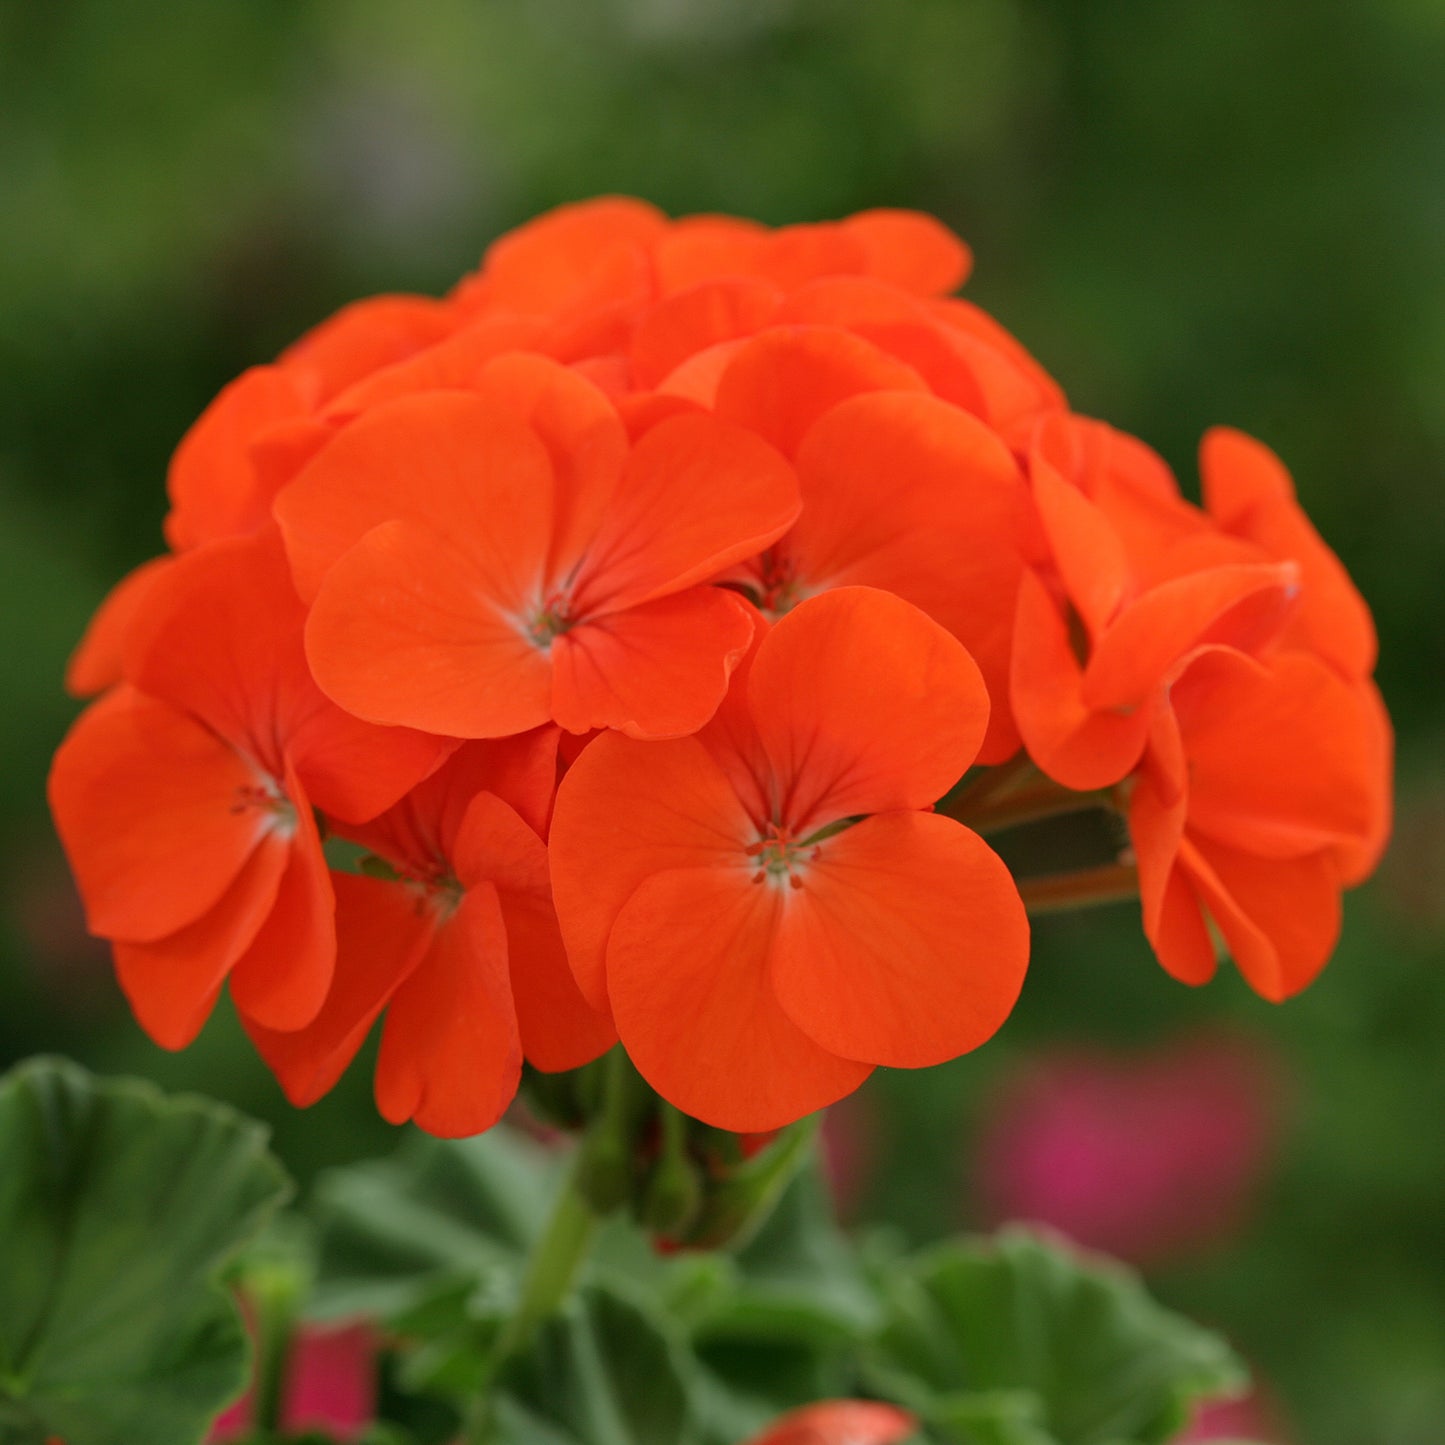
[(778, 854), (779, 589), (552, 619), (267, 797), (436, 889)]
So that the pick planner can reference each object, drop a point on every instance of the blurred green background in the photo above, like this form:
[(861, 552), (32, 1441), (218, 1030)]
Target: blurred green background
[(1193, 213)]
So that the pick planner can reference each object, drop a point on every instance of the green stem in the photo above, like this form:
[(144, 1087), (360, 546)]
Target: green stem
[(553, 1265), (1056, 892), (1028, 805), (988, 783)]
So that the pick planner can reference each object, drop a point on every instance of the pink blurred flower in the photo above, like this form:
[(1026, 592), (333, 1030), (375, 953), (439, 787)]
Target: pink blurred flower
[(330, 1385), (839, 1422), (1142, 1157), (1250, 1417)]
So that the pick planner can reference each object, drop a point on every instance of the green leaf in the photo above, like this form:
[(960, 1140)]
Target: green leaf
[(1022, 1341), (440, 1220), (606, 1370), (117, 1208), (776, 1325)]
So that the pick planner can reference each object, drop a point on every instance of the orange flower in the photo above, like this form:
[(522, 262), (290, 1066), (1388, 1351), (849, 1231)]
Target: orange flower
[(1221, 674), (460, 947), (249, 442), (1258, 788), (1250, 495), (839, 1422), (247, 445), (487, 576), (770, 909), (1119, 605), (949, 538), (643, 304), (184, 798)]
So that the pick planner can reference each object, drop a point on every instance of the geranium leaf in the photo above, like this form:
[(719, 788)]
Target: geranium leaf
[(978, 1330), (435, 1222), (605, 1370), (118, 1206)]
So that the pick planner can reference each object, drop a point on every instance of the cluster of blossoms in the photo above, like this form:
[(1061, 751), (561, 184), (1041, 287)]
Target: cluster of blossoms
[(581, 656)]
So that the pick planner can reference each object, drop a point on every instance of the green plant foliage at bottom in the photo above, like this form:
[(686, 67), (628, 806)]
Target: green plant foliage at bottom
[(1015, 1341), (1021, 1340), (605, 1370), (117, 1208)]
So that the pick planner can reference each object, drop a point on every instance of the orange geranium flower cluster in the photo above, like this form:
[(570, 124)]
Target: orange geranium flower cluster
[(625, 613)]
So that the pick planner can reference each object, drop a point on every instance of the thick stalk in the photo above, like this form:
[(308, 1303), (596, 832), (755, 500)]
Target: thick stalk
[(1027, 805), (990, 783), (1056, 892), (553, 1265)]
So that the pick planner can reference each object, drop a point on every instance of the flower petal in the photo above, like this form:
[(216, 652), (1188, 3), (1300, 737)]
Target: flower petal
[(1178, 935), (213, 482), (381, 936), (779, 383), (584, 437), (409, 630), (1279, 917), (1235, 603), (687, 972), (459, 462), (698, 249), (911, 250), (219, 634), (839, 1422), (454, 363), (908, 494), (559, 1028), (366, 336), (693, 320), (625, 811), (1014, 387), (1359, 859), (450, 1056), (658, 670), (696, 496), (1086, 549), (864, 704), (282, 979), (98, 660), (1281, 756), (172, 984), (905, 943), (1074, 744), (1249, 491), (553, 260), (144, 799)]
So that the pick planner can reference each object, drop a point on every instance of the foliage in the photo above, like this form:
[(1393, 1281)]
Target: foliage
[(1016, 1342), (1012, 1342), (117, 1208)]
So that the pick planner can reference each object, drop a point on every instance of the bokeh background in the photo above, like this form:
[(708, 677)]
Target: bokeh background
[(1193, 213)]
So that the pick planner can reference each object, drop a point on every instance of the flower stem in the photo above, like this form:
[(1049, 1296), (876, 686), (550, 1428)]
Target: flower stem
[(988, 783), (553, 1265), (1056, 892), (1031, 804)]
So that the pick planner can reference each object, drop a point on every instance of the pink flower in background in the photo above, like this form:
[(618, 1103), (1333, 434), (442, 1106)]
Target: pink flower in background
[(1250, 1417), (1142, 1157), (839, 1422), (330, 1385)]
